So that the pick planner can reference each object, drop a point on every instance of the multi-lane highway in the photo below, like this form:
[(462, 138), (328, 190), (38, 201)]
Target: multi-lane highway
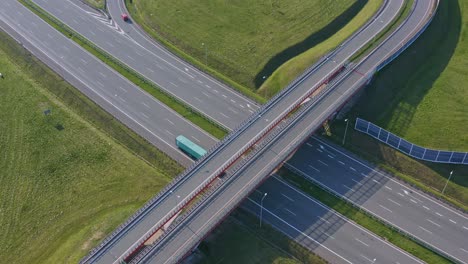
[(126, 43), (32, 33), (131, 105), (408, 209), (319, 228), (161, 209), (202, 219)]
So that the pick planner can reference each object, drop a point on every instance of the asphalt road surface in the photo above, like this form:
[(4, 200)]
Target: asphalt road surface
[(319, 228), (131, 105), (128, 44), (36, 27), (204, 217), (404, 207), (164, 207)]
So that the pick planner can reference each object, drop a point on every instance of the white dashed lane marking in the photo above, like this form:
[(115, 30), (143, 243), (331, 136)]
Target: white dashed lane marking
[(393, 201), (323, 163), (425, 229), (361, 242), (317, 170), (432, 222), (385, 208)]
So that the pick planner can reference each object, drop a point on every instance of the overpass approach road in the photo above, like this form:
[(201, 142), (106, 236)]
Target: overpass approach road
[(129, 45), (164, 206), (32, 31), (204, 216)]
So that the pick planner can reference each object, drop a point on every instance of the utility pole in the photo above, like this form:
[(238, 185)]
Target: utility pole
[(450, 176), (261, 209), (206, 53), (346, 130)]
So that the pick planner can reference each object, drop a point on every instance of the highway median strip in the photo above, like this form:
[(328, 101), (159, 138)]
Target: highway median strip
[(362, 218), (157, 92)]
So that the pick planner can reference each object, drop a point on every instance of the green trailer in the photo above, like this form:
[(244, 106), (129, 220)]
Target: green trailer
[(190, 148)]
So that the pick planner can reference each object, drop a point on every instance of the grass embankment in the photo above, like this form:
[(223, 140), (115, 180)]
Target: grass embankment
[(176, 105), (423, 97), (287, 72), (244, 41), (65, 182), (363, 219), (96, 3), (240, 240)]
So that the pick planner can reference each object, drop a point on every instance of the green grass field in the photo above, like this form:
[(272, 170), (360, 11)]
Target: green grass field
[(423, 97), (64, 184), (427, 86), (96, 3), (247, 40)]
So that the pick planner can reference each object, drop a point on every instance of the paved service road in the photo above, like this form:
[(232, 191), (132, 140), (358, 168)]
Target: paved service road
[(130, 46), (319, 228), (131, 105), (382, 195)]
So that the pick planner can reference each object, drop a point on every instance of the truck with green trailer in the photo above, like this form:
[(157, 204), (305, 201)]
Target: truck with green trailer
[(189, 148)]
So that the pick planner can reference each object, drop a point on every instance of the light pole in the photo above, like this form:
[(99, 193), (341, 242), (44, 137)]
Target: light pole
[(346, 130), (206, 53), (443, 190), (261, 209)]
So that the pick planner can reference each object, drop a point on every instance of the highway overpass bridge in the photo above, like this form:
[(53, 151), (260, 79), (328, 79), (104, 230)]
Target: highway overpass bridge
[(258, 146)]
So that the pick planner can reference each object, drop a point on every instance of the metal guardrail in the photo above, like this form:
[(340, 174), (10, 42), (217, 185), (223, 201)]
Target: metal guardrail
[(133, 72), (410, 41), (368, 212)]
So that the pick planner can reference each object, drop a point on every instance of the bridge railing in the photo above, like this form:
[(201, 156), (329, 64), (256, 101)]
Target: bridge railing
[(210, 179), (238, 168), (385, 62), (154, 201)]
